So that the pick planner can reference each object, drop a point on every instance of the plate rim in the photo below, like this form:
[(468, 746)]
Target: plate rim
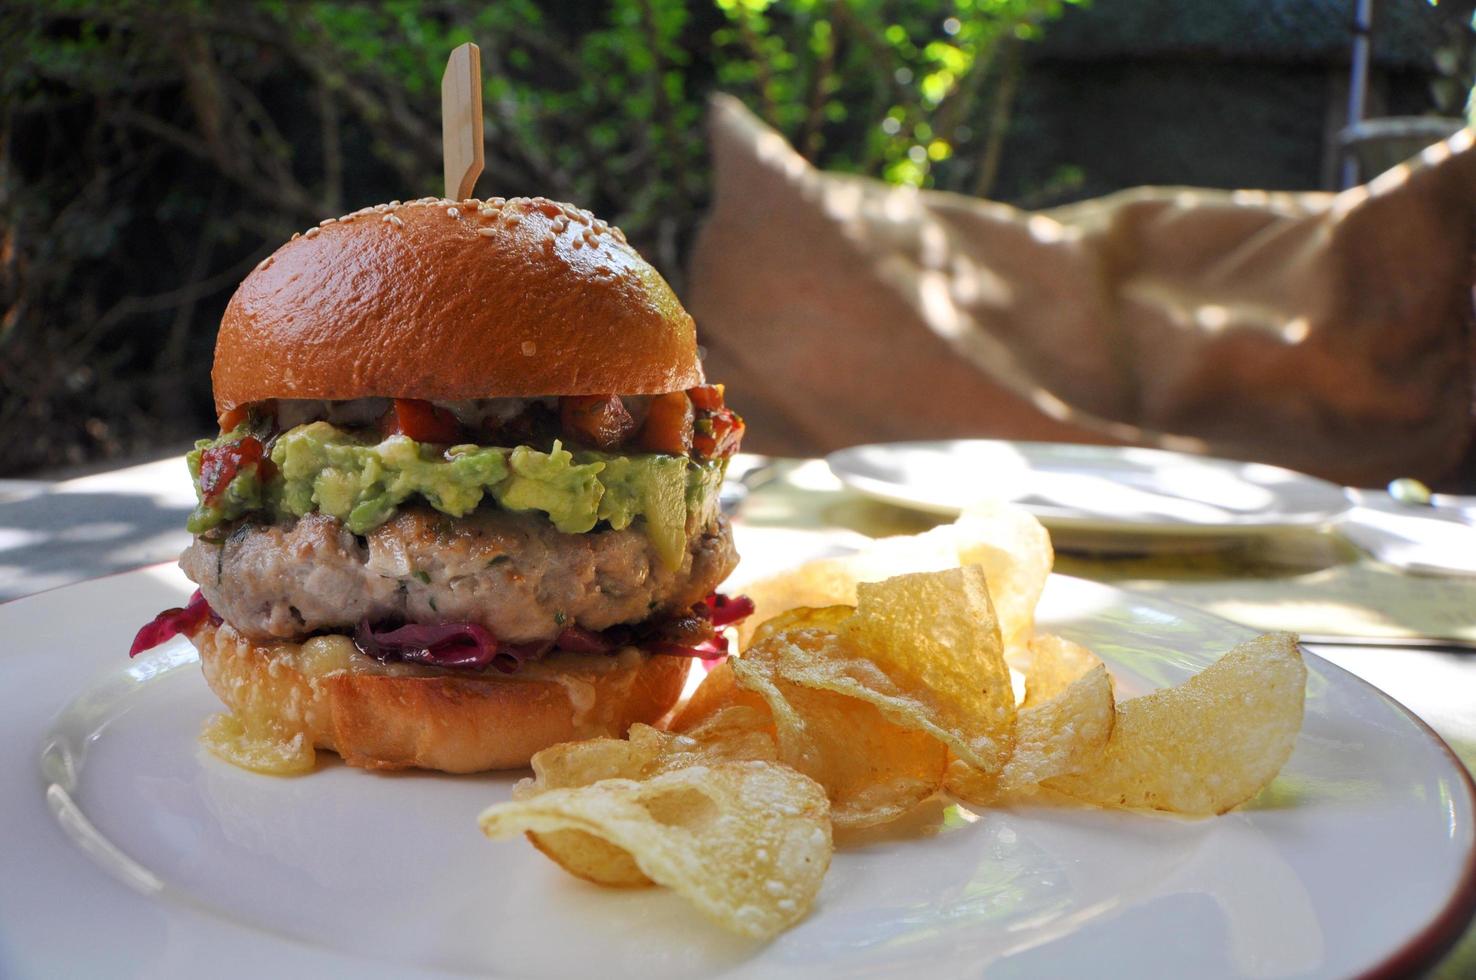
[(1440, 935), (880, 489), (1421, 950)]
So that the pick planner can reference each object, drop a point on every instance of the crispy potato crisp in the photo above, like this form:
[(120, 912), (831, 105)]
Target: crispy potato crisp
[(1062, 728), (735, 734), (1054, 664), (1207, 745), (1016, 555), (869, 683), (747, 842), (1005, 540), (925, 649), (873, 771), (815, 584)]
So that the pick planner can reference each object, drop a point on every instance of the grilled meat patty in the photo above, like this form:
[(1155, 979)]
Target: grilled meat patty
[(513, 573)]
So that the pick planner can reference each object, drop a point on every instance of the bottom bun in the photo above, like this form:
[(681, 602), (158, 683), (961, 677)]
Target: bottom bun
[(323, 693)]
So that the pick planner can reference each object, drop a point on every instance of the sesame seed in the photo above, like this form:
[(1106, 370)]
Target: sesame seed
[(394, 204), (487, 232), (452, 212), (600, 227), (347, 218), (578, 244), (395, 220), (529, 348), (619, 235), (295, 236), (311, 233), (326, 222)]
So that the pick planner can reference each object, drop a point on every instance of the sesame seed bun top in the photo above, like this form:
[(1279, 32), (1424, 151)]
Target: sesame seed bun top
[(451, 300)]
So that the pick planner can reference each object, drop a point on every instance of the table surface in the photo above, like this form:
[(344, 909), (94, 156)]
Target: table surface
[(56, 533)]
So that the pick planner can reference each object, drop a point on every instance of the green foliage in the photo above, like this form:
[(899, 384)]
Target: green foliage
[(151, 151), (873, 87)]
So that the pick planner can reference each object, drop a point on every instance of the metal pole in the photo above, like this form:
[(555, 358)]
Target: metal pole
[(1357, 88)]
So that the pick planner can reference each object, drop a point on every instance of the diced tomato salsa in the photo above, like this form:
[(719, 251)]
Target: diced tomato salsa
[(421, 421), (219, 465)]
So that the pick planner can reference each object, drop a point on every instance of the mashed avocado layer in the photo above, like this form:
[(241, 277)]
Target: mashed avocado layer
[(321, 467)]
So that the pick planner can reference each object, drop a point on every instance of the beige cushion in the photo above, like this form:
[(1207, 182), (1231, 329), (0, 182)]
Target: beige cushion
[(1327, 333)]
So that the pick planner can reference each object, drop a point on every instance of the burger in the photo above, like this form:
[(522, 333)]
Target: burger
[(463, 504)]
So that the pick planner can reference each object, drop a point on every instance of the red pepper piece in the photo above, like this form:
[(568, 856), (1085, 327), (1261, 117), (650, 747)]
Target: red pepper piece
[(421, 421), (233, 418), (668, 427), (219, 465), (707, 398), (719, 435)]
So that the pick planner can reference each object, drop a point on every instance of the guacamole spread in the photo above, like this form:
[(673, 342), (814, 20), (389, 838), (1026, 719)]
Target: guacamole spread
[(321, 467)]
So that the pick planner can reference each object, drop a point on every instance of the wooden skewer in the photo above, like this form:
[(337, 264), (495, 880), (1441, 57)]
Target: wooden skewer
[(461, 121)]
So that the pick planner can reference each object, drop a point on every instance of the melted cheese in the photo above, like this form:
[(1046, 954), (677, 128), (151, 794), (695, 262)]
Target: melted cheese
[(244, 743)]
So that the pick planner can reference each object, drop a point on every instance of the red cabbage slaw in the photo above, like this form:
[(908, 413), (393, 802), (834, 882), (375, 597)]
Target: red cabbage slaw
[(172, 622), (471, 646)]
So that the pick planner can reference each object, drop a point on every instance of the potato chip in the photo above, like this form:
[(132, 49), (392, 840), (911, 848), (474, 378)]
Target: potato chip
[(719, 690), (747, 842), (574, 764), (1005, 540), (737, 733), (815, 584), (805, 617), (588, 856), (1062, 728), (734, 734), (1207, 745), (1054, 664), (925, 650), (1016, 555), (873, 771)]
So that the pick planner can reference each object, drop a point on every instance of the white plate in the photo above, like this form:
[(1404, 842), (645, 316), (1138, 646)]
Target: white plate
[(1093, 488), (138, 854)]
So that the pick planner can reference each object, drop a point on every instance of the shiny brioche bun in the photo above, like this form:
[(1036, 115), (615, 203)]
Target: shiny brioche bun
[(458, 724), (451, 300)]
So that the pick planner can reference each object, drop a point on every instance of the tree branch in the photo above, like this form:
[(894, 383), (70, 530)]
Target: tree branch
[(999, 117)]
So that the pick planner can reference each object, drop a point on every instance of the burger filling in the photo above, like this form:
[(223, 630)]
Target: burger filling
[(466, 535), (653, 462), (515, 575)]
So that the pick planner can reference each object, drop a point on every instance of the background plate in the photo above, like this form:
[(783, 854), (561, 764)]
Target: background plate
[(1358, 855), (1093, 488)]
